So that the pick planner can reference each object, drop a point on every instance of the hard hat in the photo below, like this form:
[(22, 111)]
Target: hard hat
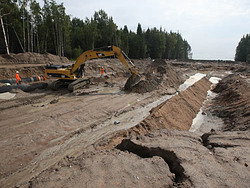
[(17, 71)]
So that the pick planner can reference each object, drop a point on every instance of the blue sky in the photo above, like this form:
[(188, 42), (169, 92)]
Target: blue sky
[(213, 28)]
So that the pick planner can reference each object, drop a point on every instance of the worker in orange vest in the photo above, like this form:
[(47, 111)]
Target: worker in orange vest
[(102, 71), (18, 79)]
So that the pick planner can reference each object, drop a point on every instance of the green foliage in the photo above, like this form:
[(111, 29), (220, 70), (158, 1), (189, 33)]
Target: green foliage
[(243, 49), (155, 41), (12, 24), (124, 40), (76, 53), (50, 29)]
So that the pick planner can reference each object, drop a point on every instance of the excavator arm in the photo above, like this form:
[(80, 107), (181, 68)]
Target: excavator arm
[(105, 52)]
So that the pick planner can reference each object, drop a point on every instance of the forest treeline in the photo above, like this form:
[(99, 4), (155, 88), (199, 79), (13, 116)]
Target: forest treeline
[(243, 49), (28, 27)]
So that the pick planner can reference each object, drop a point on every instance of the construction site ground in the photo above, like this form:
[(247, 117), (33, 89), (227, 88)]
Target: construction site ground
[(185, 124)]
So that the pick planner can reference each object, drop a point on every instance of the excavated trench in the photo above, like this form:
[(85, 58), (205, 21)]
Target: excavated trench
[(177, 113)]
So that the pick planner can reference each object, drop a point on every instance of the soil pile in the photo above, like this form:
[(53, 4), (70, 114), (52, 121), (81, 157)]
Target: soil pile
[(155, 75), (232, 103), (158, 75), (32, 58), (149, 84), (93, 67)]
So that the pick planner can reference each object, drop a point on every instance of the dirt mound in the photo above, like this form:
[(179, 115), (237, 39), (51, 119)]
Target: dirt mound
[(93, 67), (232, 103), (32, 58), (144, 86), (158, 75), (155, 75), (159, 62), (149, 84)]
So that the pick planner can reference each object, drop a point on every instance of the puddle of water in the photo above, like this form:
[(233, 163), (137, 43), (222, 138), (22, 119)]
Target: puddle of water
[(214, 80), (205, 122), (190, 81)]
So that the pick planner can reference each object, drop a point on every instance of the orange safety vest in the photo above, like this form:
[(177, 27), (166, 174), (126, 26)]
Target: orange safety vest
[(102, 70), (17, 78)]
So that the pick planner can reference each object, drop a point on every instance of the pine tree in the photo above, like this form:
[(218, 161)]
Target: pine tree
[(243, 49)]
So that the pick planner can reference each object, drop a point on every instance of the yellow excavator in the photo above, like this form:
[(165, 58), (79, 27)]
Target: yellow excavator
[(72, 76)]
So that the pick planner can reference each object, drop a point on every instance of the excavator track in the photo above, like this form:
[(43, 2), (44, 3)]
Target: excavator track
[(58, 84), (78, 84)]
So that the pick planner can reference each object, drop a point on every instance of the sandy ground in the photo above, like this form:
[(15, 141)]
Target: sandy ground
[(61, 139)]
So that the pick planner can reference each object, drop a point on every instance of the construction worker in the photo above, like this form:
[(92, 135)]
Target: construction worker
[(18, 79), (102, 71)]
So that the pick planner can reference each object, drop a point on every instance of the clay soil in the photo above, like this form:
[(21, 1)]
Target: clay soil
[(103, 136)]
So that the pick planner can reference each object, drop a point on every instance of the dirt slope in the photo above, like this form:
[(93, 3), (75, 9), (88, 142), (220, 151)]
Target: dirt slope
[(179, 111), (233, 102)]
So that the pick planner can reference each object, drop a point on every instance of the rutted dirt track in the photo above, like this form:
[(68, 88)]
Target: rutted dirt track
[(62, 139)]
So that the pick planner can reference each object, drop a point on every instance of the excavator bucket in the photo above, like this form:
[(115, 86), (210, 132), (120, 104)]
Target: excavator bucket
[(132, 81)]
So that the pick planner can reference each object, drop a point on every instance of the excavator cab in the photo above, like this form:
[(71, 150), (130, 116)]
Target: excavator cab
[(72, 75)]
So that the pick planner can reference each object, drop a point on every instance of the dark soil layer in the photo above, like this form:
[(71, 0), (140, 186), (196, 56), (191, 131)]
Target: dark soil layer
[(233, 103)]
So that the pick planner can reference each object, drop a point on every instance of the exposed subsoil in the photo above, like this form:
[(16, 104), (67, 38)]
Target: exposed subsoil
[(233, 103), (103, 136)]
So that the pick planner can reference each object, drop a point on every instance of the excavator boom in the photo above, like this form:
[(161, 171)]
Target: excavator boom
[(105, 52)]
